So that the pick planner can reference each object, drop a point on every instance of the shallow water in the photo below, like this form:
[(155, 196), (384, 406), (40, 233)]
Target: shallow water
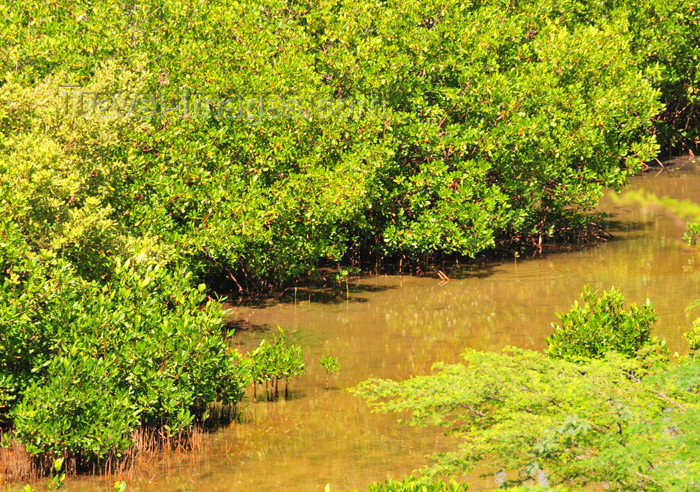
[(397, 326)]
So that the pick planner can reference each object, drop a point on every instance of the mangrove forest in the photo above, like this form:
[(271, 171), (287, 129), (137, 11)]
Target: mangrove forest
[(243, 242)]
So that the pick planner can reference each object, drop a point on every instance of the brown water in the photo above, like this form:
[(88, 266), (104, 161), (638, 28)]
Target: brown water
[(396, 326)]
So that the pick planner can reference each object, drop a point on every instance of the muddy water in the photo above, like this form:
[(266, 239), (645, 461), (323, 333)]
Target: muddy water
[(396, 326)]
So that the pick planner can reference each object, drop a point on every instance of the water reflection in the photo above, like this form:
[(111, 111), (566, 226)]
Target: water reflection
[(391, 326)]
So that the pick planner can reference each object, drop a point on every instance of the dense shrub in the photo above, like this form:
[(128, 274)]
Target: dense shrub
[(85, 363), (581, 424), (600, 324), (603, 418), (500, 125)]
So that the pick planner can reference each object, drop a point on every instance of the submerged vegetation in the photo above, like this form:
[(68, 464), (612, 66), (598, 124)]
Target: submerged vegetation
[(134, 191)]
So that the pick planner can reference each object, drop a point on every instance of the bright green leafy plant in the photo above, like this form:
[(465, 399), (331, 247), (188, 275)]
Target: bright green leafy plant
[(500, 127), (581, 417), (87, 362), (271, 362), (417, 484), (692, 235), (599, 324), (693, 336), (331, 365), (581, 423)]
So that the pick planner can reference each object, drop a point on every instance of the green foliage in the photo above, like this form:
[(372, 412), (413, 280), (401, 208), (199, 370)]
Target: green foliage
[(600, 324), (271, 362), (59, 171), (58, 477), (331, 365), (693, 336), (692, 235), (598, 421), (414, 484), (86, 362), (417, 484), (502, 125)]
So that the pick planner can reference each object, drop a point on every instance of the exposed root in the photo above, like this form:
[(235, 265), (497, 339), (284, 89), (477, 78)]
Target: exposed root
[(150, 447)]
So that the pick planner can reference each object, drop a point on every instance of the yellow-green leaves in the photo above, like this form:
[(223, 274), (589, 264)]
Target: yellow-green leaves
[(596, 421), (601, 324)]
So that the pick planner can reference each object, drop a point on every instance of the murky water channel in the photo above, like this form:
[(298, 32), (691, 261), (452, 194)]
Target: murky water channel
[(396, 326)]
